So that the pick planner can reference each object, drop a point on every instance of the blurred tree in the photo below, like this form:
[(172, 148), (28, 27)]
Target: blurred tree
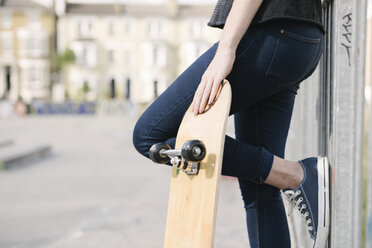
[(85, 89), (60, 60)]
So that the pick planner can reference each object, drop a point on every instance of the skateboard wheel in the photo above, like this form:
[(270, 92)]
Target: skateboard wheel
[(155, 153), (193, 150)]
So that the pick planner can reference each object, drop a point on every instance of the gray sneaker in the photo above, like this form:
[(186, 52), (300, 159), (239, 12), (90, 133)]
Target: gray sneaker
[(311, 198)]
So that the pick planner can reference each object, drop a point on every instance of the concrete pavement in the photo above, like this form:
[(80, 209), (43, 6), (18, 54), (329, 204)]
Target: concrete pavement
[(94, 190)]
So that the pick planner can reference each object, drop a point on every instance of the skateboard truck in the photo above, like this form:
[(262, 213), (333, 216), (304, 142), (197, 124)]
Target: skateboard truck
[(188, 158)]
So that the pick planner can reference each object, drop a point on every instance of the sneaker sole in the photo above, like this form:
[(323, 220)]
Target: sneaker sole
[(323, 203)]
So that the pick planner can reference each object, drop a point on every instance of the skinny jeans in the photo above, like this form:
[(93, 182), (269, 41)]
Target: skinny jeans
[(272, 59)]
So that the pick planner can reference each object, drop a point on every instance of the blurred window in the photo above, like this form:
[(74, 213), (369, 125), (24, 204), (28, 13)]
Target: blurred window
[(128, 23), (161, 55), (7, 42), (155, 55), (110, 56), (111, 27), (192, 50), (32, 74), (6, 19), (31, 44), (45, 48), (84, 26), (197, 28), (34, 77), (147, 53), (84, 55), (79, 28), (155, 27), (90, 26), (127, 88), (85, 52), (33, 19), (128, 56)]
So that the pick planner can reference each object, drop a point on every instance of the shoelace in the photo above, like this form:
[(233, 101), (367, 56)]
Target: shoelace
[(291, 197)]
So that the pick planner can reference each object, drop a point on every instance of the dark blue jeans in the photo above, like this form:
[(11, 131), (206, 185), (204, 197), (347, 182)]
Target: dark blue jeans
[(272, 59)]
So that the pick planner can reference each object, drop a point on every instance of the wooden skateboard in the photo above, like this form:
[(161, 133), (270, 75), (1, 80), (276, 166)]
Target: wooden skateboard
[(197, 162)]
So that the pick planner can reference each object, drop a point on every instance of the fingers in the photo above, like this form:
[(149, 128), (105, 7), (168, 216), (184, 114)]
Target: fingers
[(205, 94), (197, 96), (213, 94)]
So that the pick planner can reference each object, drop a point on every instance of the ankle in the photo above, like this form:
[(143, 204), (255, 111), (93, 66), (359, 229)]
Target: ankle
[(285, 174), (295, 174)]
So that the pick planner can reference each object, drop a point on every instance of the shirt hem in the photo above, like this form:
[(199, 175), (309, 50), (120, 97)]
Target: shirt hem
[(221, 24)]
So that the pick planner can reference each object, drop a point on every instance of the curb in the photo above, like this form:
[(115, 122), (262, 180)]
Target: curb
[(4, 143), (25, 156)]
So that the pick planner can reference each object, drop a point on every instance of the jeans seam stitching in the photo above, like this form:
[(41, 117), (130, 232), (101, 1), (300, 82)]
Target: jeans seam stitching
[(261, 164), (317, 54), (152, 128), (257, 217), (259, 143), (301, 38), (259, 179), (272, 58)]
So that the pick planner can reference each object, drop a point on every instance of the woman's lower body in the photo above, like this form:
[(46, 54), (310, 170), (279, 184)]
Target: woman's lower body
[(272, 59)]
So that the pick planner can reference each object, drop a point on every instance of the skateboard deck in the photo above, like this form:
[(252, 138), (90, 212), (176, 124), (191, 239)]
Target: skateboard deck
[(193, 199)]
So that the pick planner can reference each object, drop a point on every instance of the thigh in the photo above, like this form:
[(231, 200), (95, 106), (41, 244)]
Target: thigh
[(161, 120)]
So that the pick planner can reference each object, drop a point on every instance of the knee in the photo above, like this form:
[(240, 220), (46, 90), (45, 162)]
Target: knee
[(139, 138)]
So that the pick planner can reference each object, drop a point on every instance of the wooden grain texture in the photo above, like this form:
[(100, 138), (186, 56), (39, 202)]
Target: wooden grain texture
[(193, 199)]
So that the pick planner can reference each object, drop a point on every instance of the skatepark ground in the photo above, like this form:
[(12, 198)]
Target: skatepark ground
[(94, 189)]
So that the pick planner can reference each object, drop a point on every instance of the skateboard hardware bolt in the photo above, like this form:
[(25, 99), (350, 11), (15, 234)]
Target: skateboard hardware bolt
[(162, 153), (196, 150), (176, 161)]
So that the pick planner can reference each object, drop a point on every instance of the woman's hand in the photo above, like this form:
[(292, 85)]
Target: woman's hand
[(237, 22), (217, 71)]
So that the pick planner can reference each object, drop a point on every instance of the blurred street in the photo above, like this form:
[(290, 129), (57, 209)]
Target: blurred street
[(95, 190)]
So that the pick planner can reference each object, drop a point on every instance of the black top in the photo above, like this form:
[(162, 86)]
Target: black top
[(301, 10)]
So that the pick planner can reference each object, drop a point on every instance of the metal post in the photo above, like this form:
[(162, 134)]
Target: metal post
[(368, 224), (345, 152), (338, 119), (368, 238)]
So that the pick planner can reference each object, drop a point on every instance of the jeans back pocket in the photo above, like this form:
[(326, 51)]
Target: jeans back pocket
[(294, 56)]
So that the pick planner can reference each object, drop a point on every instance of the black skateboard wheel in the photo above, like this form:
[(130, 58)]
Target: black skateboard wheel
[(193, 150), (155, 153)]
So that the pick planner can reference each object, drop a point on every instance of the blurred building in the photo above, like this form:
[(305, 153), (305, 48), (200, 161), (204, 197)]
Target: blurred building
[(130, 51), (27, 40)]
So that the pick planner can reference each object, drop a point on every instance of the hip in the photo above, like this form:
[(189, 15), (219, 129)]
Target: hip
[(285, 51)]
